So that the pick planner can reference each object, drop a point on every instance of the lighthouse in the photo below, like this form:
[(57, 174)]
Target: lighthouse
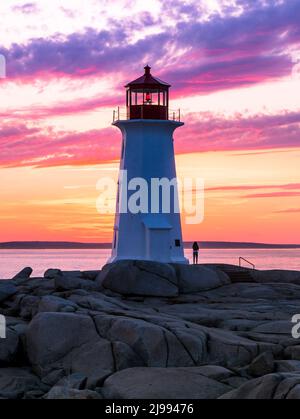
[(152, 231)]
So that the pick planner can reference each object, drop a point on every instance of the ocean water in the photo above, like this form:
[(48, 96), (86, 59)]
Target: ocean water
[(12, 261)]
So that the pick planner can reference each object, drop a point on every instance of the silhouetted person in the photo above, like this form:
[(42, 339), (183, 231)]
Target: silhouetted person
[(195, 253)]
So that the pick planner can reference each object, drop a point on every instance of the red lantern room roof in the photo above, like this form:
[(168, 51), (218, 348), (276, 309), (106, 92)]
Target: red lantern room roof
[(147, 80)]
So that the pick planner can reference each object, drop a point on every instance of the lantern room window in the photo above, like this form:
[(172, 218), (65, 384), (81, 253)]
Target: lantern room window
[(147, 98)]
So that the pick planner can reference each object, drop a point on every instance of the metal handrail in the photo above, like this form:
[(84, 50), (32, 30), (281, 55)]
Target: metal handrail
[(247, 261)]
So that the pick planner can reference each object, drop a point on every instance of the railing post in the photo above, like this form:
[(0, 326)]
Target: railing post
[(114, 115), (118, 113), (247, 261), (179, 116)]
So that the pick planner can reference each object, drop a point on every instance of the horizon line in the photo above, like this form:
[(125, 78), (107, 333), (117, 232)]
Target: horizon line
[(71, 244)]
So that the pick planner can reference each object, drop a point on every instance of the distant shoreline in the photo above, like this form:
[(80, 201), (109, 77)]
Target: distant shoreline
[(202, 244)]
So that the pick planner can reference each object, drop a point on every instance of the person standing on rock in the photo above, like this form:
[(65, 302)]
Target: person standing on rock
[(195, 253)]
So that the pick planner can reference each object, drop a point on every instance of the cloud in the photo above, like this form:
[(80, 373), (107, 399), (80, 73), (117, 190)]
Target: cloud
[(78, 55), (27, 8), (272, 195), (195, 55), (229, 74), (209, 132), (289, 211), (9, 132), (29, 145), (46, 147), (76, 106), (253, 187)]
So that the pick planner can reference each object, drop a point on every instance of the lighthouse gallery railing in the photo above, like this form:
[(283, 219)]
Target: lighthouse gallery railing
[(122, 114)]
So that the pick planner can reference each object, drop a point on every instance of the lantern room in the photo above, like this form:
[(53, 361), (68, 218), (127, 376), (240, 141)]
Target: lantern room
[(147, 97)]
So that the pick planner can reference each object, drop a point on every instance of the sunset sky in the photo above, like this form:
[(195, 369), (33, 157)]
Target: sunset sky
[(234, 66)]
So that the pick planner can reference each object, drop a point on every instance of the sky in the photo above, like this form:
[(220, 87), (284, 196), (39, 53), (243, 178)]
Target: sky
[(234, 67)]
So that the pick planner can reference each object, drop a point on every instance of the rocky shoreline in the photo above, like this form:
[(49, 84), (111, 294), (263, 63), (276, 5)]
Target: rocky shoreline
[(150, 330)]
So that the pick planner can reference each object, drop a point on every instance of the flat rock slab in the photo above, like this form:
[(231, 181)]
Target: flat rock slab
[(16, 382), (163, 383), (272, 386)]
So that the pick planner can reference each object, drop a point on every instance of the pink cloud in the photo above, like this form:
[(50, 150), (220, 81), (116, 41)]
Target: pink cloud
[(209, 132), (49, 148), (272, 195), (73, 107), (289, 211), (30, 145), (253, 187)]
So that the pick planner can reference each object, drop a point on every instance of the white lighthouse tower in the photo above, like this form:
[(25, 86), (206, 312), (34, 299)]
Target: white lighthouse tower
[(148, 153)]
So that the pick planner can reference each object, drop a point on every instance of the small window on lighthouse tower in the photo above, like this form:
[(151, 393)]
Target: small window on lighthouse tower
[(177, 243), (115, 239)]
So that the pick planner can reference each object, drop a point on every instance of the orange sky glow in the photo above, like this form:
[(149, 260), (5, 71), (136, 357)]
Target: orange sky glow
[(239, 98)]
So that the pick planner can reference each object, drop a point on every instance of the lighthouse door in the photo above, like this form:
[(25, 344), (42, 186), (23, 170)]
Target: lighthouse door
[(158, 245), (158, 242)]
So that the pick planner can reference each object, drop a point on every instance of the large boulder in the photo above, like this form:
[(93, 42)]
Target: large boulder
[(152, 344), (65, 393), (36, 286), (69, 343), (142, 278), (72, 387), (28, 306), (91, 275), (263, 364), (23, 274), (52, 273), (293, 352), (69, 281), (163, 383), (162, 341), (9, 347), (280, 327), (75, 381), (16, 382), (197, 278), (7, 290), (51, 303), (272, 386), (287, 365), (231, 350)]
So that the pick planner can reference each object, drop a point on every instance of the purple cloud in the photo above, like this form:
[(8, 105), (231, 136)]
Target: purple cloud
[(223, 52), (208, 132), (27, 8)]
